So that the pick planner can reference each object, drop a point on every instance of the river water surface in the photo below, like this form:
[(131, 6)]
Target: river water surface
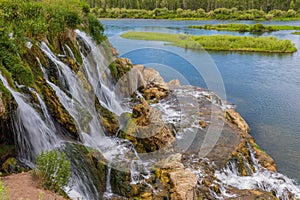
[(264, 87)]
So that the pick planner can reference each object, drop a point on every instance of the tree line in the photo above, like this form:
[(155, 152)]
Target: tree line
[(207, 5)]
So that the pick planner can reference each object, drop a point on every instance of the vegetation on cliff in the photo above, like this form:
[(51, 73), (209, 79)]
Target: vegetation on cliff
[(218, 42), (255, 28), (23, 26)]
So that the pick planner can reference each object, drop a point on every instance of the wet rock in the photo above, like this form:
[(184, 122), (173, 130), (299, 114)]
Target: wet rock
[(252, 194), (236, 118), (263, 158), (203, 124), (146, 129), (121, 180), (89, 166), (141, 113), (119, 67), (58, 112), (155, 87), (109, 120), (180, 182)]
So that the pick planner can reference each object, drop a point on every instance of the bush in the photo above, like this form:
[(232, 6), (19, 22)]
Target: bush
[(53, 170), (3, 192)]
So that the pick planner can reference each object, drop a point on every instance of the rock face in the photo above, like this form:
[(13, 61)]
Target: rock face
[(236, 118), (155, 88), (181, 182), (146, 129)]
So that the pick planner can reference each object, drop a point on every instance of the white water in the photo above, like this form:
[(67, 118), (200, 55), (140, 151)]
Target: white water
[(260, 179), (95, 66), (37, 133), (80, 103), (32, 134)]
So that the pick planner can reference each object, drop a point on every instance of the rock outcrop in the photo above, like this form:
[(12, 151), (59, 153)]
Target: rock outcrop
[(146, 129), (179, 181), (155, 88), (236, 119)]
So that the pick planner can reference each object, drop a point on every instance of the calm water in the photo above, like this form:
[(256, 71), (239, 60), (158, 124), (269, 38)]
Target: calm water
[(265, 87)]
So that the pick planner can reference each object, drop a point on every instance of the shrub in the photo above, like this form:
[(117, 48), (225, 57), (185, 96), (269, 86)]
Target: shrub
[(3, 192), (53, 170)]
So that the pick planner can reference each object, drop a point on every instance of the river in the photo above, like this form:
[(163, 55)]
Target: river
[(264, 87)]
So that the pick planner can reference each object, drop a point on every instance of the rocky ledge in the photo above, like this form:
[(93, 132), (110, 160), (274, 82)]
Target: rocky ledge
[(173, 126)]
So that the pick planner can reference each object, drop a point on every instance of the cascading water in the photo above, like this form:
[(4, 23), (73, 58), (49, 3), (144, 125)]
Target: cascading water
[(77, 92), (32, 134), (80, 103), (282, 186)]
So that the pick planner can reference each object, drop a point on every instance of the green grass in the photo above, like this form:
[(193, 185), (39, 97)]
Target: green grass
[(179, 40), (296, 33), (218, 42), (245, 27)]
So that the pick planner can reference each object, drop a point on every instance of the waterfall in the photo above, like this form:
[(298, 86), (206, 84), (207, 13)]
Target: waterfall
[(262, 178), (36, 131), (32, 133)]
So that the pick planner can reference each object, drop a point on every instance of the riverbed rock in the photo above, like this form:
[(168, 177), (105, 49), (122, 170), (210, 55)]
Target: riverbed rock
[(181, 182), (146, 129), (109, 120), (236, 118), (155, 87)]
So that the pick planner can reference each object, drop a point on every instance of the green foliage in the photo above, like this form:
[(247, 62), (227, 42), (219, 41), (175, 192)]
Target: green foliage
[(34, 21), (245, 27), (218, 42), (95, 28), (53, 170), (4, 195), (207, 5), (179, 13)]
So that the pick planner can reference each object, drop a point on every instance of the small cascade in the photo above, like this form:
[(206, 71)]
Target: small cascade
[(108, 193), (70, 52), (96, 69), (32, 133), (80, 103), (262, 178), (46, 115)]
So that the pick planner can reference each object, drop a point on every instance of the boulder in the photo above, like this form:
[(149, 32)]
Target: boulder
[(236, 119), (181, 182), (146, 129)]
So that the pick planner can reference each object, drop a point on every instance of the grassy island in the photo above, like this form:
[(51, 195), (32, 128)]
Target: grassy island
[(218, 42), (255, 28)]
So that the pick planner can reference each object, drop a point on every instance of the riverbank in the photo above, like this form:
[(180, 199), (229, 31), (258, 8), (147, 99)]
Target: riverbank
[(255, 28), (218, 42)]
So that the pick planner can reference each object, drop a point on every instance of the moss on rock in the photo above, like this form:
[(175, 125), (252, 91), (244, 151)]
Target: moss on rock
[(58, 112), (109, 120)]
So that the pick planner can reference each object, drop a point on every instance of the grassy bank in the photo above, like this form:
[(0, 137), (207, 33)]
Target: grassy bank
[(218, 42), (255, 28)]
